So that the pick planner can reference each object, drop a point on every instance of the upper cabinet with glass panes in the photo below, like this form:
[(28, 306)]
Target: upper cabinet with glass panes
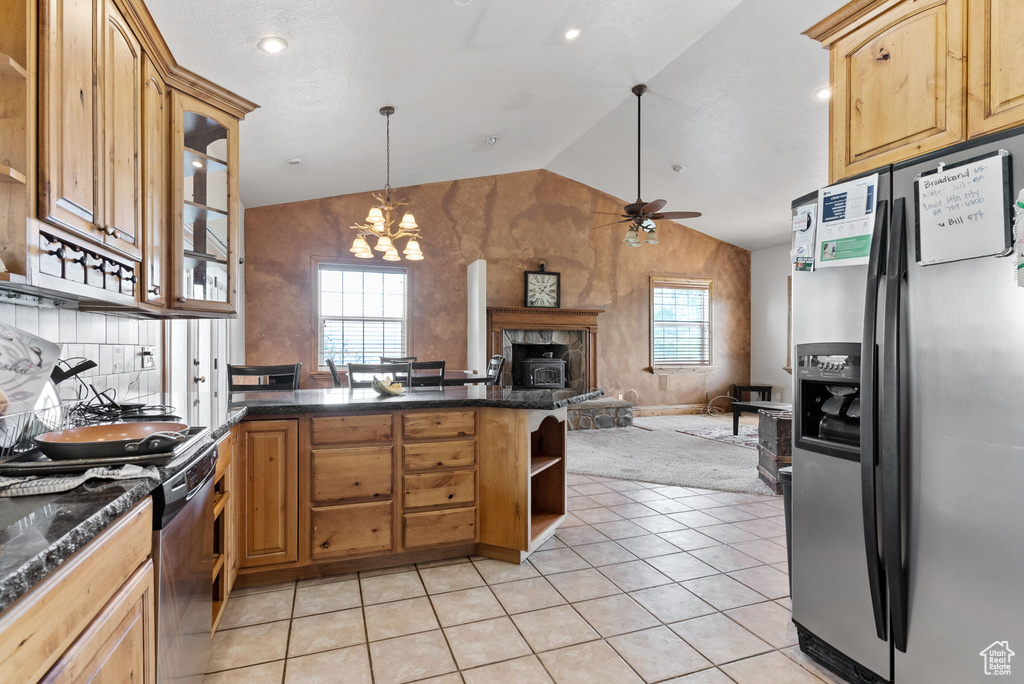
[(205, 208)]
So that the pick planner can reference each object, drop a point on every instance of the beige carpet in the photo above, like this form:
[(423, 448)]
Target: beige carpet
[(654, 451)]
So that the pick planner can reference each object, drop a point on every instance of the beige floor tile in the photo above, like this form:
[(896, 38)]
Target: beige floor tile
[(482, 643), (643, 495), (709, 676), (648, 546), (558, 560), (552, 543), (695, 519), (673, 492), (385, 588), (781, 567), (581, 585), (781, 541), (659, 523), (671, 603), (591, 488), (329, 579), (377, 572), (720, 639), (442, 562), (451, 578), (597, 515), (574, 478), (554, 628), (398, 618), (658, 654), (725, 558), (327, 667), (701, 502), (256, 608), (526, 670), (682, 566), (771, 668), (603, 553), (633, 575), (278, 586), (576, 503), (529, 594), (326, 631), (594, 662), (768, 620), (571, 519), (410, 658), (764, 579), (732, 498), (584, 534), (265, 673), (623, 485), (728, 533), (765, 529), (614, 615), (613, 499), (688, 540), (453, 678), (723, 592), (666, 506), (467, 605), (786, 602), (245, 646), (796, 655), (633, 510), (621, 529), (326, 598), (761, 510), (496, 571), (729, 514), (763, 550)]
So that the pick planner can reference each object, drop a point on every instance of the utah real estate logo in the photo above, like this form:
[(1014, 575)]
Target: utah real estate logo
[(997, 658)]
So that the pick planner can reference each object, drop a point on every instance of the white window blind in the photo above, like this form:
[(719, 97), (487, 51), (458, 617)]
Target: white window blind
[(362, 313), (680, 322)]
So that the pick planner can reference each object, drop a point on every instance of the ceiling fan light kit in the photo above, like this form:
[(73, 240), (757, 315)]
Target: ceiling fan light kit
[(642, 215), (378, 222)]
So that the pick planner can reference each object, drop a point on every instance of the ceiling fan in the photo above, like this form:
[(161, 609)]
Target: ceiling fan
[(640, 214)]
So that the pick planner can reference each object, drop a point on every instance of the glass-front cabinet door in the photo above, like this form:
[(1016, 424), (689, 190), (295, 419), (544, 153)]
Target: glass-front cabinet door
[(204, 207)]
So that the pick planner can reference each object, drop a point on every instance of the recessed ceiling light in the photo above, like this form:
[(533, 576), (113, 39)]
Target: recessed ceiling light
[(272, 44), (823, 93), (572, 34), (293, 162), (196, 163), (492, 139)]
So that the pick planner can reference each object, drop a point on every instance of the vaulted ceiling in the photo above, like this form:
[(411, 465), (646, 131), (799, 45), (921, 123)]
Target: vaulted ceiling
[(731, 96)]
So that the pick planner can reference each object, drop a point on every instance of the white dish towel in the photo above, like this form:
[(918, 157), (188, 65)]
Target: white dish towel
[(37, 484)]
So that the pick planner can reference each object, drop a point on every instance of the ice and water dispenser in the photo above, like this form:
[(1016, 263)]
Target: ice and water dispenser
[(826, 418)]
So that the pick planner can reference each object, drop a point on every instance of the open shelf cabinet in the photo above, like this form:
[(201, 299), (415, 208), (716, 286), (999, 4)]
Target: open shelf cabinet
[(547, 479)]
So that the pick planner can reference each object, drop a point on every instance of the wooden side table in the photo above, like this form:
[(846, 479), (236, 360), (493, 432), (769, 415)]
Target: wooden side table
[(764, 391)]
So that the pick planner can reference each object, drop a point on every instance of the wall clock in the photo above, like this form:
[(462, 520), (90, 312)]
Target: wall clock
[(543, 288)]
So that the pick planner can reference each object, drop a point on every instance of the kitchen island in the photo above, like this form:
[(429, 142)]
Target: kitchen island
[(337, 480)]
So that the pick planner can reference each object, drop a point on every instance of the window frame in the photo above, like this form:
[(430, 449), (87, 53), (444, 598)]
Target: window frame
[(681, 283), (317, 263)]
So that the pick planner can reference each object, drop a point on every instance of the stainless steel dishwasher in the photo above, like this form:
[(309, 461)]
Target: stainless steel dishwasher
[(183, 555)]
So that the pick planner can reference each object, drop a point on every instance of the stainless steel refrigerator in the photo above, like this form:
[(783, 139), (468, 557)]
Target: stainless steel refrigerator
[(908, 458)]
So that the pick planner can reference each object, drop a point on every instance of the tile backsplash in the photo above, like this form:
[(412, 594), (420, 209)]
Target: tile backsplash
[(114, 342)]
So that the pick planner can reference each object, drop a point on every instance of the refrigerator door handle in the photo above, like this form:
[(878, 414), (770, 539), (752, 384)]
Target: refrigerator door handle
[(869, 419), (892, 436)]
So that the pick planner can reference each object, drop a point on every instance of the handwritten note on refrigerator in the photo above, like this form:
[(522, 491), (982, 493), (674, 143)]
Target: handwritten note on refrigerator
[(963, 210)]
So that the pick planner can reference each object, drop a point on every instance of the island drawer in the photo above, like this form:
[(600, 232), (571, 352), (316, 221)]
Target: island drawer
[(435, 489), (351, 429), (438, 528), (351, 530), (351, 473), (439, 424), (430, 455)]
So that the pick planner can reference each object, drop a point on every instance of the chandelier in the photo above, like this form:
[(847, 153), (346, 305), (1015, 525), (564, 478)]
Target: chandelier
[(379, 223)]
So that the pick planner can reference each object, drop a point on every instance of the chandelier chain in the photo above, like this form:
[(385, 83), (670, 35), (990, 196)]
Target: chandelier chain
[(387, 181)]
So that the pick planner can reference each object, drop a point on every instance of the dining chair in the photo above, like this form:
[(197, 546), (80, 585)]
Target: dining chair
[(334, 372), (398, 359), (283, 378), (494, 368), (399, 373), (423, 377)]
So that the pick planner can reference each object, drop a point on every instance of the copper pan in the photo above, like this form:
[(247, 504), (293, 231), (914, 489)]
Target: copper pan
[(116, 439)]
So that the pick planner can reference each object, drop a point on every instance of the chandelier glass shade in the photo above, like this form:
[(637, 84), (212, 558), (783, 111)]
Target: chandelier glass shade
[(380, 225)]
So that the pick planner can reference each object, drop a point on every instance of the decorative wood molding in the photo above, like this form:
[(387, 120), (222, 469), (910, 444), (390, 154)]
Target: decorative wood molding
[(832, 27), (145, 29)]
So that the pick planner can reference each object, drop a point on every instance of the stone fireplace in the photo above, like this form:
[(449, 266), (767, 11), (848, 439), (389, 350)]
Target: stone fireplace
[(523, 335)]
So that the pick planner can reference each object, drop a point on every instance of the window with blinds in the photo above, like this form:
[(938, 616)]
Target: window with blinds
[(680, 322), (362, 313)]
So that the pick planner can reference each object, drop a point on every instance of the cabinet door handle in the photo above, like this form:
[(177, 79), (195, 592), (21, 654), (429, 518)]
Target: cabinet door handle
[(199, 379), (182, 300), (155, 290), (110, 230), (132, 278), (59, 253), (79, 260)]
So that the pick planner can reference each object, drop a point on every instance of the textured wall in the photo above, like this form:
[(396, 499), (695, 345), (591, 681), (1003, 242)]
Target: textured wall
[(511, 220), (769, 299)]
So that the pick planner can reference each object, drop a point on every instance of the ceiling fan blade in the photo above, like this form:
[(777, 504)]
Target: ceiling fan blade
[(610, 213), (653, 207), (676, 215), (613, 223)]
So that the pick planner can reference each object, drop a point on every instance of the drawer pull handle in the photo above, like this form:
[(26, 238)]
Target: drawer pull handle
[(451, 496), (357, 484), (59, 253), (155, 290), (326, 545), (440, 464)]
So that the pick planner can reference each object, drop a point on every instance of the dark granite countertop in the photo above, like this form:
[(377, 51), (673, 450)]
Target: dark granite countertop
[(38, 533)]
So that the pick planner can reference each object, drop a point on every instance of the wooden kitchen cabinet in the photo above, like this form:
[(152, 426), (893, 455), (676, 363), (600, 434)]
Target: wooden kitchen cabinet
[(156, 142), (995, 65), (351, 530), (269, 512), (225, 524)]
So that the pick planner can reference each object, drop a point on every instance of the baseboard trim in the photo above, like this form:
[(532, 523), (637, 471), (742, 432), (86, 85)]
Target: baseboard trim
[(672, 410)]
